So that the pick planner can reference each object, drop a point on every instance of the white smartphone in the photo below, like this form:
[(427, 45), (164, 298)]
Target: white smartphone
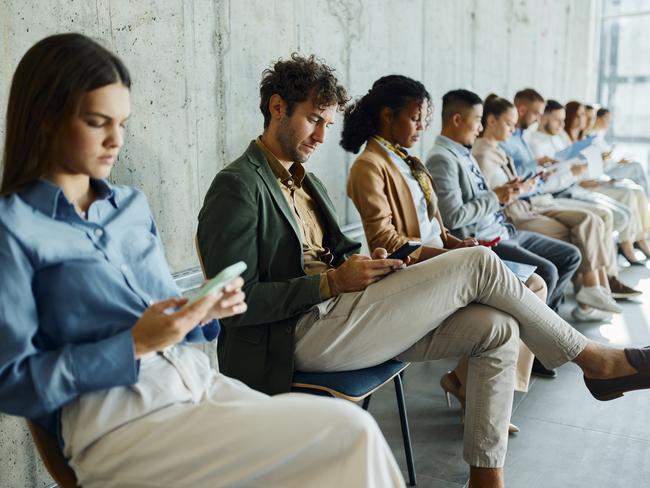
[(215, 285)]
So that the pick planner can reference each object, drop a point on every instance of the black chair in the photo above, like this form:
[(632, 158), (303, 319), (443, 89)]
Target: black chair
[(359, 385)]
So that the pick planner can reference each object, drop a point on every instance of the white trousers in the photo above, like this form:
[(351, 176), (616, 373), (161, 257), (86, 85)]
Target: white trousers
[(185, 425)]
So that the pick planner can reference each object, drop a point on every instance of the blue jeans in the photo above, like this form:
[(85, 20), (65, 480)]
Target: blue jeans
[(556, 260)]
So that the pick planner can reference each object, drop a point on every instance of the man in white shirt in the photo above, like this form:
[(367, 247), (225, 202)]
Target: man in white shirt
[(621, 168)]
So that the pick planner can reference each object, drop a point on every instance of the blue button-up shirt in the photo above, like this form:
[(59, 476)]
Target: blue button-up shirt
[(71, 291), (519, 150)]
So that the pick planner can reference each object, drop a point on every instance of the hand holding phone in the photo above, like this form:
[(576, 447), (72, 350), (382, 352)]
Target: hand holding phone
[(405, 250), (216, 284), (491, 243)]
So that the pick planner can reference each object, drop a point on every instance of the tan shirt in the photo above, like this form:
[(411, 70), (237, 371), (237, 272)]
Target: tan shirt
[(317, 258)]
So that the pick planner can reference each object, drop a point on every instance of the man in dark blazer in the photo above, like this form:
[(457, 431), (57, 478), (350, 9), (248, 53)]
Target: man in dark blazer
[(316, 305)]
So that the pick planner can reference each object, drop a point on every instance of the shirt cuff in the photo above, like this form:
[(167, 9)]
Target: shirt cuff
[(324, 287)]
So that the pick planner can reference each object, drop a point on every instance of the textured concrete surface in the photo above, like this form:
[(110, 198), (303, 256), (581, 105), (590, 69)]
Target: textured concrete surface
[(196, 67)]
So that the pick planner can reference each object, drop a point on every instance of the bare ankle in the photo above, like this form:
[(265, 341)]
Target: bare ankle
[(485, 477)]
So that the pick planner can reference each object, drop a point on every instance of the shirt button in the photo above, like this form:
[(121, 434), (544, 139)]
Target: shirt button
[(99, 232), (124, 268), (289, 330)]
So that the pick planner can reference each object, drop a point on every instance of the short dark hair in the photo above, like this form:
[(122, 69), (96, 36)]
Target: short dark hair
[(528, 95), (361, 120), (298, 79), (602, 112), (457, 101), (552, 106), (46, 90), (589, 107)]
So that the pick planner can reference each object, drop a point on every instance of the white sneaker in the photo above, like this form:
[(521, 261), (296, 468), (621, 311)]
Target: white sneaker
[(590, 314), (596, 297)]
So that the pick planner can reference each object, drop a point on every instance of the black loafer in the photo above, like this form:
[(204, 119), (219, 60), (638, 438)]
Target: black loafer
[(605, 390), (540, 370)]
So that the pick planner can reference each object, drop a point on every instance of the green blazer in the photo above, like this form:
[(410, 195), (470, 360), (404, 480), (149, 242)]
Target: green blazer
[(246, 217)]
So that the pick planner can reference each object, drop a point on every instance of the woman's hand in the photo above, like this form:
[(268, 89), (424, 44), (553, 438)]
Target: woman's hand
[(231, 302), (157, 329)]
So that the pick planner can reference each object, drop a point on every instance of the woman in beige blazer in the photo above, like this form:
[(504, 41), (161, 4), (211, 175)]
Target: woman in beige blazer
[(394, 193)]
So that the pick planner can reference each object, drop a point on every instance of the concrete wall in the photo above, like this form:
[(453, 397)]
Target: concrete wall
[(196, 67)]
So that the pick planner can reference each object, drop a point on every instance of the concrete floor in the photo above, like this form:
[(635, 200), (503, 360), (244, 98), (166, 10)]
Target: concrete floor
[(567, 438)]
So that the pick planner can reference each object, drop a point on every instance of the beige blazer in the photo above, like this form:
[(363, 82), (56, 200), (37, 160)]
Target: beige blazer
[(384, 201)]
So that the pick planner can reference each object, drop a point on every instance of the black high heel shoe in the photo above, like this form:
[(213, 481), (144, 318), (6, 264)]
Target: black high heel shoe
[(611, 389), (632, 263)]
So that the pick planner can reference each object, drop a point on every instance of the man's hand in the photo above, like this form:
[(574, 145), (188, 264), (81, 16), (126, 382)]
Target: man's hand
[(589, 183), (546, 160), (359, 272), (508, 193), (578, 169)]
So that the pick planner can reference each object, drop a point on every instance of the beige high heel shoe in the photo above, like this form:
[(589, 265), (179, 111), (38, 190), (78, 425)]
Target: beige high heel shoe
[(451, 385)]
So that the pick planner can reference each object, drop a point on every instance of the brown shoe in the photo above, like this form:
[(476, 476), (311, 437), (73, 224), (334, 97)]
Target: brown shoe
[(619, 290), (610, 389)]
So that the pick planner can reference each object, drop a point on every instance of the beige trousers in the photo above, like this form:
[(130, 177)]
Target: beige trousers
[(607, 218), (633, 197), (184, 425), (525, 358), (465, 301), (580, 227)]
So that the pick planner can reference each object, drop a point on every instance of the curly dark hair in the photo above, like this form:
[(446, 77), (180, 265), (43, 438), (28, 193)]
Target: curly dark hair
[(361, 120), (298, 79)]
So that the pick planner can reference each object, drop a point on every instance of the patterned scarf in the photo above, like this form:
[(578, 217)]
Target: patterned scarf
[(418, 171)]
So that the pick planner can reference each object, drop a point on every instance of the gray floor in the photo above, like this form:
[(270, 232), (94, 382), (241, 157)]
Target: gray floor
[(567, 438)]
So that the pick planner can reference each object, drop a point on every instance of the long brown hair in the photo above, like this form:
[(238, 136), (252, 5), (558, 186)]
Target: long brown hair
[(46, 90), (571, 115)]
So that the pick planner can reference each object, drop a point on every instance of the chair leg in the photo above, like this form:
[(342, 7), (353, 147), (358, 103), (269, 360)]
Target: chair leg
[(406, 433), (366, 402)]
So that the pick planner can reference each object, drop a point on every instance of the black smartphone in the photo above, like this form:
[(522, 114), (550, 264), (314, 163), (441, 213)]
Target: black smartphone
[(405, 250)]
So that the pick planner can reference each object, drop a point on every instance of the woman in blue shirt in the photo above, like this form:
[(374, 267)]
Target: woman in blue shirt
[(94, 328)]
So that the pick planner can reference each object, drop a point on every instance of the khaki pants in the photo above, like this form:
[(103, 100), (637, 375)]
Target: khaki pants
[(464, 302), (183, 425), (580, 227), (633, 197)]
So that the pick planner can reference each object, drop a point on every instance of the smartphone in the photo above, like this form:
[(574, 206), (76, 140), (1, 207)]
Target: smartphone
[(530, 177), (491, 243), (215, 285), (405, 250)]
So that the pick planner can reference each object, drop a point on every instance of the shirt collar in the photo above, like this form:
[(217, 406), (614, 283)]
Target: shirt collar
[(453, 145), (45, 196), (294, 176)]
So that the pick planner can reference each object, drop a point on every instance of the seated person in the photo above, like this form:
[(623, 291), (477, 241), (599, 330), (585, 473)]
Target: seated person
[(470, 209), (529, 105), (582, 228), (394, 194), (94, 331), (315, 305), (621, 168), (625, 192)]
